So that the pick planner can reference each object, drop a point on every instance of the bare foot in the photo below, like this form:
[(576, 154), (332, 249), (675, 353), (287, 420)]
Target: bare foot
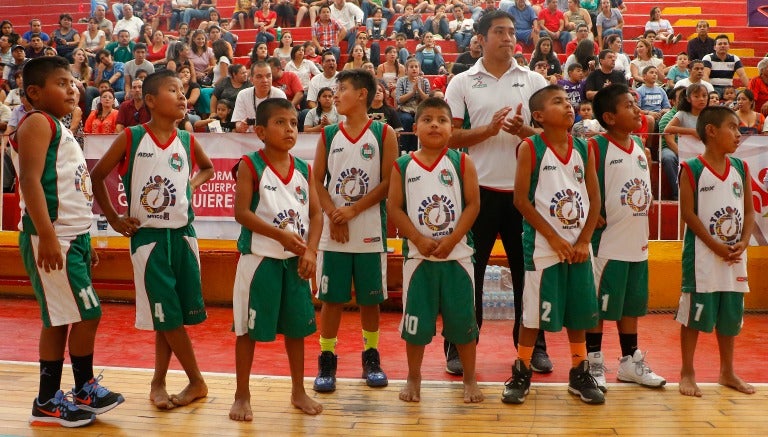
[(241, 409), (472, 393), (159, 397), (688, 386), (192, 392), (736, 383), (412, 390), (306, 404)]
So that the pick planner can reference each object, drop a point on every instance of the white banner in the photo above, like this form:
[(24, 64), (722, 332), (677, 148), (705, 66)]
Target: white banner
[(754, 151)]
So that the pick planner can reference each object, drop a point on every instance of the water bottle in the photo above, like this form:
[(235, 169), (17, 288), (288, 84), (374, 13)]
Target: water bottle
[(101, 232), (486, 305), (279, 33)]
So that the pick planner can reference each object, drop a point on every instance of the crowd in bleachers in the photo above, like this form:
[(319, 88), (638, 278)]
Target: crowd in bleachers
[(413, 46)]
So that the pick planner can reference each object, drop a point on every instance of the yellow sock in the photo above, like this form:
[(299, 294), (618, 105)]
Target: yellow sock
[(327, 344), (578, 353), (525, 353), (370, 339)]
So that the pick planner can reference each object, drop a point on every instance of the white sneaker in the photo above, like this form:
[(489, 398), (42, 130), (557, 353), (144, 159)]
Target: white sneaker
[(597, 370), (632, 368)]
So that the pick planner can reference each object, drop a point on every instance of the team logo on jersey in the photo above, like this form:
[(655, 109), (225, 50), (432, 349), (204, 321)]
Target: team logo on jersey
[(567, 206), (290, 220), (367, 151), (636, 194), (479, 83), (83, 182), (437, 212), (445, 177), (352, 185), (737, 190), (641, 162), (301, 195), (158, 194), (175, 162), (579, 173), (725, 224)]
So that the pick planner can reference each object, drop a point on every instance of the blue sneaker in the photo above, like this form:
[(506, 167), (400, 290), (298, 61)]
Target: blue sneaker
[(96, 398), (372, 373), (325, 382), (60, 411)]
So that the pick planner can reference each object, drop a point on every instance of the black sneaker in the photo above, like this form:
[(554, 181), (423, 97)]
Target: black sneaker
[(60, 411), (517, 387), (372, 373), (97, 398), (540, 362), (453, 362), (326, 374), (582, 383)]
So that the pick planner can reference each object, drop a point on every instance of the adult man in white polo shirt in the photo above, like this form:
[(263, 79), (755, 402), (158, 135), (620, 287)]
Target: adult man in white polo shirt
[(494, 93), (327, 79), (129, 22), (248, 100), (697, 76)]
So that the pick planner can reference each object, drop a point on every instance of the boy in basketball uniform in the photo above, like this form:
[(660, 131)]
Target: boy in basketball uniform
[(716, 204), (55, 245), (352, 167), (561, 210), (156, 161), (620, 241), (276, 202), (434, 198)]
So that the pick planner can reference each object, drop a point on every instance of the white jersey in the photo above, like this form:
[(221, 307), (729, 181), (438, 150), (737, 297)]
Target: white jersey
[(559, 193), (353, 170), (719, 205), (66, 184), (156, 178), (282, 203), (625, 189), (434, 200)]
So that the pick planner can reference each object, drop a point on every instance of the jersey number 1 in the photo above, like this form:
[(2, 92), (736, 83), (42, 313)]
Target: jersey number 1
[(88, 297)]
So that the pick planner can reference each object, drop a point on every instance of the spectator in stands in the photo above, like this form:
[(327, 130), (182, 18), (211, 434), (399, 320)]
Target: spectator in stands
[(376, 24), (462, 29), (390, 70), (177, 12), (244, 114), (122, 49), (228, 36), (303, 68), (696, 76), (750, 122), (80, 70), (129, 22), (243, 9), (327, 79), (200, 10), (138, 63), (6, 57), (117, 8), (702, 45), (260, 52), (429, 57), (474, 53), (284, 48), (229, 87), (324, 114), (178, 56), (157, 50), (191, 90), (6, 29), (156, 11), (104, 119), (609, 22), (679, 71), (93, 40), (214, 19), (357, 58), (35, 27), (437, 24), (202, 59), (36, 47), (9, 72), (583, 55), (183, 34), (66, 38), (214, 34), (145, 34), (643, 60), (661, 27), (526, 23), (286, 13), (575, 16), (103, 86), (286, 81), (720, 66), (653, 99), (411, 89), (111, 70), (552, 24), (264, 21), (14, 96), (223, 60), (604, 75), (544, 52), (222, 115), (327, 33), (650, 36), (759, 86), (674, 95), (349, 16), (380, 109), (409, 24), (132, 111), (582, 33), (373, 53), (104, 24), (573, 84)]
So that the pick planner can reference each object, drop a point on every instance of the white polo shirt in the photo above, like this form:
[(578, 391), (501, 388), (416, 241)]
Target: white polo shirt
[(687, 82), (246, 103), (480, 94), (319, 82)]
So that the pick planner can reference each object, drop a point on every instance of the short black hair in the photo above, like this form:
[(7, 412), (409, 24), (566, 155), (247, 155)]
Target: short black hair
[(648, 68), (325, 6), (274, 61), (36, 70), (694, 62), (606, 100), (648, 32), (536, 102), (604, 53), (714, 115), (722, 36), (139, 46), (574, 66), (432, 102), (267, 108), (484, 24), (151, 85), (360, 79)]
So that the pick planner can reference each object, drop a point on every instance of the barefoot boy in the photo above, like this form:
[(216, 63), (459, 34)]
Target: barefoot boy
[(276, 202), (716, 204), (56, 247), (620, 242), (353, 163), (560, 211), (156, 161), (433, 200)]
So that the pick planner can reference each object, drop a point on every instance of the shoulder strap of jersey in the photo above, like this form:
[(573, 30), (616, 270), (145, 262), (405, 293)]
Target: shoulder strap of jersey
[(537, 146), (580, 145), (55, 129), (329, 132), (302, 167), (740, 166), (695, 167), (457, 159), (401, 163), (377, 128)]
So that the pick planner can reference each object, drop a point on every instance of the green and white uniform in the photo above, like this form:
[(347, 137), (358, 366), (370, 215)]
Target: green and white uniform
[(164, 251), (712, 289), (433, 198), (269, 296), (621, 247), (65, 296)]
